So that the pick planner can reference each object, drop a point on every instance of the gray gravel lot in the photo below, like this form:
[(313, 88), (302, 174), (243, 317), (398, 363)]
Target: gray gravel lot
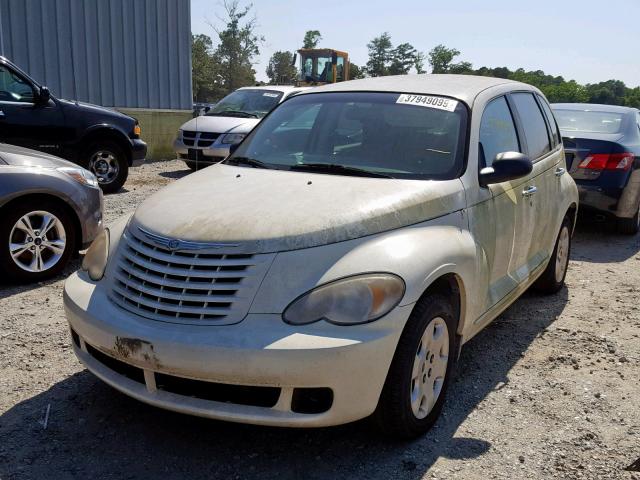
[(550, 390)]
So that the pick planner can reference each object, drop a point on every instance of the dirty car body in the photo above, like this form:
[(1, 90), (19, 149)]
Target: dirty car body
[(340, 221)]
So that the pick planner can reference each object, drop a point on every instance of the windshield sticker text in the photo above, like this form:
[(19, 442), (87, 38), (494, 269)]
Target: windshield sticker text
[(427, 101), (273, 95)]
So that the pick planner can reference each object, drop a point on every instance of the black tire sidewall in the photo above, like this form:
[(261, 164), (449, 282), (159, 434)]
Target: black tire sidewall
[(14, 272), (398, 419), (123, 163)]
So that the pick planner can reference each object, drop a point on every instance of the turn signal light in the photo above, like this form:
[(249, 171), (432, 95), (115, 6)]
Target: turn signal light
[(137, 130), (608, 161)]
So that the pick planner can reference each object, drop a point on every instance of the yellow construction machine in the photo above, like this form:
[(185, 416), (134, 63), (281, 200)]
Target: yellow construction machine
[(319, 66)]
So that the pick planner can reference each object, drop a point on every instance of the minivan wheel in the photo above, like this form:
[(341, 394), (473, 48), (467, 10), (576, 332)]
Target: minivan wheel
[(629, 226), (109, 164), (552, 279), (37, 240), (415, 388)]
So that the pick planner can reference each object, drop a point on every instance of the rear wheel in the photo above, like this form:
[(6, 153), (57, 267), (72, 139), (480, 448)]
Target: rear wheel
[(629, 226), (109, 163), (552, 279), (36, 241), (414, 391)]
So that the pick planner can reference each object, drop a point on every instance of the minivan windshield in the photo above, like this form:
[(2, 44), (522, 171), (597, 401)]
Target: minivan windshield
[(251, 103), (359, 133), (589, 121)]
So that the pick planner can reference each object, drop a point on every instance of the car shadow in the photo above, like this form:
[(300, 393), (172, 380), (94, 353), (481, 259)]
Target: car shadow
[(599, 242), (8, 289), (176, 174), (94, 431)]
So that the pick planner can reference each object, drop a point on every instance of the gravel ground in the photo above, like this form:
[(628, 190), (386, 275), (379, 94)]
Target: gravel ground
[(550, 390)]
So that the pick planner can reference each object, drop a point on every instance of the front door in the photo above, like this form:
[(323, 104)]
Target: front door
[(24, 120)]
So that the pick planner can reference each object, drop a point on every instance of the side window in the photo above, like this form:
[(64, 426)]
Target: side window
[(497, 132), (555, 134), (533, 124), (13, 88)]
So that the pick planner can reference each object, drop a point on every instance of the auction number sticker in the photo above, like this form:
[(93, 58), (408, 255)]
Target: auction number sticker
[(440, 103), (272, 95)]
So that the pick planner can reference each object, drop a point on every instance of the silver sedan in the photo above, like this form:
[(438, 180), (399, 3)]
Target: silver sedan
[(49, 210)]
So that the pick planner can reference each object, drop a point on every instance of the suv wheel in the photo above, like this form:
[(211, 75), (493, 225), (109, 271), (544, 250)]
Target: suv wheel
[(109, 163), (414, 391), (36, 240)]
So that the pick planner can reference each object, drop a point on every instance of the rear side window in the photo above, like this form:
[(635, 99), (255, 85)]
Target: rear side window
[(497, 132), (555, 135), (533, 124)]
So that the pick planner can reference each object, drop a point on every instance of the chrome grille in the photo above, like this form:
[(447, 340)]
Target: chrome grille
[(195, 287), (198, 139)]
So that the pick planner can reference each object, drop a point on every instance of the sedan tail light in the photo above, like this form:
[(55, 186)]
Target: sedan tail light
[(608, 161)]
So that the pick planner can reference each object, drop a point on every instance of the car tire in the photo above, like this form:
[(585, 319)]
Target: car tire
[(26, 253), (107, 161), (629, 226), (414, 393), (552, 279)]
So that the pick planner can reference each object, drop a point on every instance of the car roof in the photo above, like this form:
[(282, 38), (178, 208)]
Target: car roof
[(594, 107), (278, 88), (462, 87)]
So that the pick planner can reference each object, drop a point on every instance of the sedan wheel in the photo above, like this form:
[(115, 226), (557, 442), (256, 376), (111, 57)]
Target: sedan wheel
[(37, 241)]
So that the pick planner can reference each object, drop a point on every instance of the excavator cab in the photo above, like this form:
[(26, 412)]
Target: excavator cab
[(319, 66)]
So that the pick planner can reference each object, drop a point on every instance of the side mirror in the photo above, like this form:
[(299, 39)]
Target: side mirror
[(233, 148), (44, 95), (506, 166)]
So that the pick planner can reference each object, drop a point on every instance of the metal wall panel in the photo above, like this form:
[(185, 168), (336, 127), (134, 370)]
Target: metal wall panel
[(117, 53)]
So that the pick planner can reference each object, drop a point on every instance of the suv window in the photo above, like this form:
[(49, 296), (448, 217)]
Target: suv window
[(13, 88), (533, 124), (553, 125), (497, 132)]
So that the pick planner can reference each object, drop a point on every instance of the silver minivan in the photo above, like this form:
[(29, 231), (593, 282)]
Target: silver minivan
[(333, 266)]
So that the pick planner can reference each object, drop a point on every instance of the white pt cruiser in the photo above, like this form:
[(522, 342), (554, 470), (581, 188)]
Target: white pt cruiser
[(331, 268)]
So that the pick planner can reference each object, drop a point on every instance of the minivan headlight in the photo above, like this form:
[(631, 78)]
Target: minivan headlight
[(233, 138), (95, 260), (349, 301)]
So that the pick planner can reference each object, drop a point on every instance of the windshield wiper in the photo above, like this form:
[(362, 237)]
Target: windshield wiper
[(333, 168), (225, 113), (252, 162)]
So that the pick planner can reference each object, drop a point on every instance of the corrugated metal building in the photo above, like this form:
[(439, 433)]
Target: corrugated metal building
[(131, 54)]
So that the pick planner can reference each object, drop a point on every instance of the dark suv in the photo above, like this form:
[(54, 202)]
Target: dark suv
[(100, 139)]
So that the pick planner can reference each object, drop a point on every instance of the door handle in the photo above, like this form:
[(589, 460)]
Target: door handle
[(560, 171), (529, 191)]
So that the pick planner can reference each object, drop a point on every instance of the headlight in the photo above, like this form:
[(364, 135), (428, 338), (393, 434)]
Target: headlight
[(95, 260), (349, 301), (80, 175), (233, 138)]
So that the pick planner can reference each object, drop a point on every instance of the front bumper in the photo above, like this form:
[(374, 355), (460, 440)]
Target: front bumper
[(138, 152), (206, 155), (260, 351)]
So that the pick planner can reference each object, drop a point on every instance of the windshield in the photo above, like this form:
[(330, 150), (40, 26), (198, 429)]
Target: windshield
[(250, 103), (398, 135), (589, 121)]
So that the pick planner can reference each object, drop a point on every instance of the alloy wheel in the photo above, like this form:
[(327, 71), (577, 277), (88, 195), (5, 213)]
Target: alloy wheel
[(37, 241), (104, 165)]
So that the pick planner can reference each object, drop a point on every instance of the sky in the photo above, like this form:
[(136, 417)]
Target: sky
[(585, 40)]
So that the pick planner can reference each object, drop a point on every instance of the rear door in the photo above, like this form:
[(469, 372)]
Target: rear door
[(23, 120), (537, 216)]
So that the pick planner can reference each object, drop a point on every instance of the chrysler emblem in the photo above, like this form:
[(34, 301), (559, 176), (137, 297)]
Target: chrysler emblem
[(177, 244)]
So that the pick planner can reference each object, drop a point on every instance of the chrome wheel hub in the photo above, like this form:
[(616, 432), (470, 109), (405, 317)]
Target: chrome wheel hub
[(562, 254), (104, 165), (37, 241), (429, 367)]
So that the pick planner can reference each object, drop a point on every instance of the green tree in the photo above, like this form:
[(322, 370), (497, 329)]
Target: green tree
[(355, 72), (441, 58), (311, 39), (403, 58), (280, 69), (380, 49), (239, 45), (204, 71)]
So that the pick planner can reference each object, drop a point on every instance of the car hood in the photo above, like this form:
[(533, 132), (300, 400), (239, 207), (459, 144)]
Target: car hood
[(221, 124), (24, 157), (91, 108), (266, 211)]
